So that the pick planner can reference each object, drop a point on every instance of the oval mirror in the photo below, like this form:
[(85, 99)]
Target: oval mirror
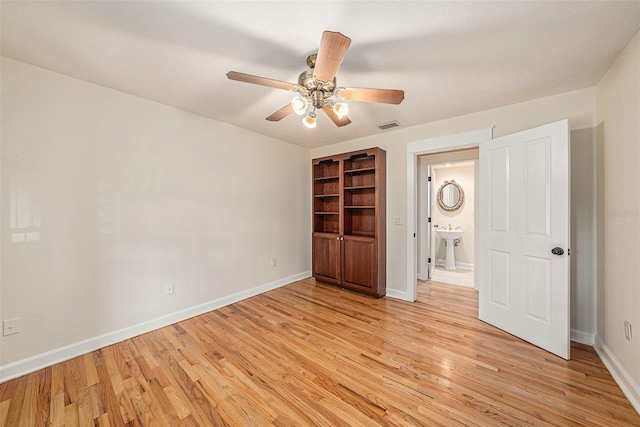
[(450, 196)]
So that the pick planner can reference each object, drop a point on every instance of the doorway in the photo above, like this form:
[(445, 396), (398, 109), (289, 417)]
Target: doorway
[(445, 145), (446, 217)]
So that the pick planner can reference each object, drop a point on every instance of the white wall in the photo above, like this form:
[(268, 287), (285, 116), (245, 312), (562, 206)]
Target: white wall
[(117, 196), (618, 115)]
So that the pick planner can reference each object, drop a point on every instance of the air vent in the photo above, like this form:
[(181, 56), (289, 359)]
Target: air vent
[(389, 125)]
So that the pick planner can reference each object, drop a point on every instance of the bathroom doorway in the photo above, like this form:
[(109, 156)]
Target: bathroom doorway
[(447, 223)]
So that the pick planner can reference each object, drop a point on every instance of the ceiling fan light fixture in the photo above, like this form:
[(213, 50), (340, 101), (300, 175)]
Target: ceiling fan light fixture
[(310, 120), (341, 109), (299, 105)]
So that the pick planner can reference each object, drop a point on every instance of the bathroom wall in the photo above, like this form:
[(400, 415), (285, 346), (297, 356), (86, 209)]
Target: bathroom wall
[(427, 160), (463, 175)]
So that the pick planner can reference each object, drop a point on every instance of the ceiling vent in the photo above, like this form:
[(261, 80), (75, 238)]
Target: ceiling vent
[(389, 125)]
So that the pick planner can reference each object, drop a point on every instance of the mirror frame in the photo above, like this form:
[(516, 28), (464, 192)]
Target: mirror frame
[(460, 199)]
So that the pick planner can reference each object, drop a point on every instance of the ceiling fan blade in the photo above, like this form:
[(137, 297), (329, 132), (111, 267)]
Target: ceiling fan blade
[(333, 48), (334, 117), (281, 113), (263, 81), (386, 96)]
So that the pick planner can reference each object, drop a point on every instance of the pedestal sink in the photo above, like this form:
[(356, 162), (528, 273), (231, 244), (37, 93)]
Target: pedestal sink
[(450, 236)]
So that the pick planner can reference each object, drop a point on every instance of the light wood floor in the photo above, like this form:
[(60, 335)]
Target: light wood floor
[(308, 354)]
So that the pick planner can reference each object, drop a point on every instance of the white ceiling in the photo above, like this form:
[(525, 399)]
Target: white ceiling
[(450, 58)]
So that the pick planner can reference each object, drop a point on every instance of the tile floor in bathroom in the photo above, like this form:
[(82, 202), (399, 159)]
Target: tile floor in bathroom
[(459, 276)]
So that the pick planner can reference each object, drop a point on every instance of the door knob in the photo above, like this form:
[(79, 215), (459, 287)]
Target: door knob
[(557, 251)]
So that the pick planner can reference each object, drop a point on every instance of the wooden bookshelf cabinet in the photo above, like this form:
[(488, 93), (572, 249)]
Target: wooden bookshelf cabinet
[(349, 234)]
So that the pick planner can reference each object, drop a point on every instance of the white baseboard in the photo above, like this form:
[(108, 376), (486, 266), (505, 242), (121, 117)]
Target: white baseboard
[(401, 295), (462, 265), (629, 387), (34, 363), (582, 337)]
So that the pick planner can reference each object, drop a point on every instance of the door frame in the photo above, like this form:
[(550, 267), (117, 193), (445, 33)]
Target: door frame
[(457, 141), (423, 227)]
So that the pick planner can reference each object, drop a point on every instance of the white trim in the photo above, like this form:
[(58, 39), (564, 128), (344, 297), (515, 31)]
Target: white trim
[(582, 337), (422, 225), (34, 363), (460, 265), (476, 222), (434, 145), (404, 296), (628, 386)]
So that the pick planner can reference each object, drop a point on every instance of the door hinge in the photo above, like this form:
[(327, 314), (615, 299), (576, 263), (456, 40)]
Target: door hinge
[(429, 260), (429, 178), (429, 219), (414, 234)]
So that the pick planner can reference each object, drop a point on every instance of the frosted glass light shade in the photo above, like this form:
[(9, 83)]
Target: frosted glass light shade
[(341, 109), (309, 121), (299, 105)]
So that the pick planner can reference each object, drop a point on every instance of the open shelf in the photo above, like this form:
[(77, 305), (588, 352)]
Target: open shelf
[(326, 195), (326, 223), (359, 171), (361, 187), (326, 169), (361, 180), (360, 198), (360, 162), (360, 221)]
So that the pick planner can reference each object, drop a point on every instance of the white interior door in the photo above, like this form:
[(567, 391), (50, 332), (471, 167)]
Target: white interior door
[(524, 216)]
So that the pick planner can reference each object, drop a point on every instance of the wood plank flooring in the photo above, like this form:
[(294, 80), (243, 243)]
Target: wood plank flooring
[(308, 354)]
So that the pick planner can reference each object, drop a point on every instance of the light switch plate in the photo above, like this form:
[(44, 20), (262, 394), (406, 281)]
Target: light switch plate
[(11, 326), (168, 289), (397, 220)]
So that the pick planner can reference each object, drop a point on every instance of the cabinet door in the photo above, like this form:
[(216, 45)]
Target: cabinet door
[(360, 262), (326, 257)]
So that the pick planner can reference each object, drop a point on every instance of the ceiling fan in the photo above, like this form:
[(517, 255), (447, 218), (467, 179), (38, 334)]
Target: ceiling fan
[(317, 89)]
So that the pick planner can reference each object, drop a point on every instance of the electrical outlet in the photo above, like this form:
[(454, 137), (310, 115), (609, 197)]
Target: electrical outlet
[(11, 326), (169, 289), (627, 331), (397, 220), (273, 262)]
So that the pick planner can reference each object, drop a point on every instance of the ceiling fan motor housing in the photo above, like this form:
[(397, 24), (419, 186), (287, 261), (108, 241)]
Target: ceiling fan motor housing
[(315, 90)]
